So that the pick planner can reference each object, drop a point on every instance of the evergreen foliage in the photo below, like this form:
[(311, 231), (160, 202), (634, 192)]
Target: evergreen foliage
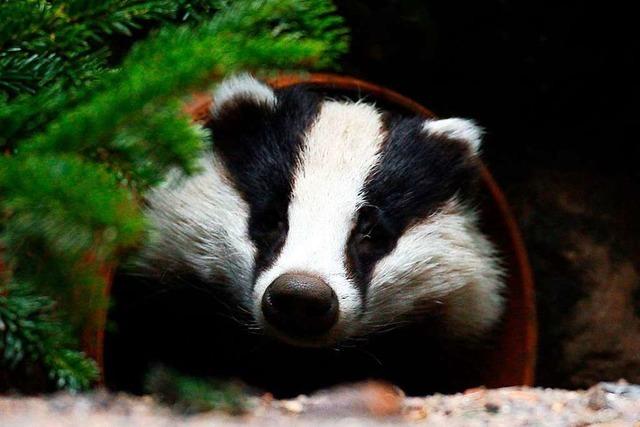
[(31, 333), (85, 134), (191, 395)]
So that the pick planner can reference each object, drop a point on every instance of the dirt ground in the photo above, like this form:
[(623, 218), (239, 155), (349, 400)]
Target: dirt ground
[(365, 404)]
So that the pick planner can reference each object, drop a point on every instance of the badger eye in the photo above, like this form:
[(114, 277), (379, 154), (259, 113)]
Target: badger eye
[(372, 237), (369, 241)]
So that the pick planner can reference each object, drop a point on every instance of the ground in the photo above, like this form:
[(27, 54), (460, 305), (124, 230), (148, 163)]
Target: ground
[(364, 404)]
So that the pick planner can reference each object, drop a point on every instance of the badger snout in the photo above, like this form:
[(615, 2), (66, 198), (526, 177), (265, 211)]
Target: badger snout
[(300, 306)]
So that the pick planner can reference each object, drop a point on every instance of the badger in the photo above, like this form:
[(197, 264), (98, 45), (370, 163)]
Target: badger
[(329, 221)]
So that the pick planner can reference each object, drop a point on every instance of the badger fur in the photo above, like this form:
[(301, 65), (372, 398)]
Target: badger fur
[(377, 208)]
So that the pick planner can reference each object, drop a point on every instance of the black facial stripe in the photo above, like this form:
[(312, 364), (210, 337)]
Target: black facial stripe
[(417, 173), (260, 147)]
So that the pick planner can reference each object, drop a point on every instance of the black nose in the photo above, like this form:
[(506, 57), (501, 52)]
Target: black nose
[(300, 305)]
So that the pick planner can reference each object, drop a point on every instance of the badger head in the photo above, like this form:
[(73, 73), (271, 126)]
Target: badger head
[(330, 220)]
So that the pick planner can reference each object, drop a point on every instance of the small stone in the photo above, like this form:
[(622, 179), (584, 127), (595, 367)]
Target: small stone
[(382, 399), (597, 399), (293, 406), (492, 408), (621, 388), (266, 399), (147, 399), (475, 390), (523, 395), (417, 414), (367, 398)]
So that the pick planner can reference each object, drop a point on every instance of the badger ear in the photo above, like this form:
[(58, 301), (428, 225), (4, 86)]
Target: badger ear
[(239, 91), (463, 130)]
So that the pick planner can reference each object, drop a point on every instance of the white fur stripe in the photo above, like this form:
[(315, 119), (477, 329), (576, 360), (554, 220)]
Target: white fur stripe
[(339, 153), (441, 260), (242, 86), (463, 129), (200, 223)]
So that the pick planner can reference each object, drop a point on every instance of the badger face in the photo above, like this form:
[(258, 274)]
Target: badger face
[(328, 220)]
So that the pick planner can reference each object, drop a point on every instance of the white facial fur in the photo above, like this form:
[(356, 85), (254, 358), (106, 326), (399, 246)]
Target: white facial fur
[(199, 224), (461, 129), (339, 152), (443, 260), (242, 86)]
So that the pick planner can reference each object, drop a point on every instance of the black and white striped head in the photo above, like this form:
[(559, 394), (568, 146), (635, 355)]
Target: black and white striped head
[(330, 220)]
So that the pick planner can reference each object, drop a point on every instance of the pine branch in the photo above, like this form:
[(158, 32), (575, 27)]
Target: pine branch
[(250, 34), (66, 39), (31, 333), (58, 211), (83, 141), (192, 395)]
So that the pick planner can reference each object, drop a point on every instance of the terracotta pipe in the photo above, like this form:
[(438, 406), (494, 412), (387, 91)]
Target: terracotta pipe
[(512, 360)]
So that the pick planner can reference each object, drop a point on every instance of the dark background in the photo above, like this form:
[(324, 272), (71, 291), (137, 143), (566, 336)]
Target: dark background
[(555, 85)]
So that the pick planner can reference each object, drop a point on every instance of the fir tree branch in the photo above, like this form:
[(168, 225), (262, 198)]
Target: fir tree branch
[(30, 333), (249, 34), (57, 211), (82, 141), (65, 39)]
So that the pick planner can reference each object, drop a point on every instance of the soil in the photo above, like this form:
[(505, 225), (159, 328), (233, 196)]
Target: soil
[(363, 404)]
